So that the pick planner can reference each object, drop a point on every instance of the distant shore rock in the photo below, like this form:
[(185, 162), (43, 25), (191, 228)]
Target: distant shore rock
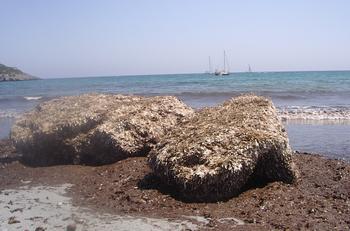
[(13, 74), (216, 153), (95, 128)]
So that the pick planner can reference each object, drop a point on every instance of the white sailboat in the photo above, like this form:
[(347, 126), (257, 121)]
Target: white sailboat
[(223, 71)]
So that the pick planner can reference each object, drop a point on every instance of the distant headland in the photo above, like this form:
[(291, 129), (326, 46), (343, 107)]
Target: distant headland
[(13, 74)]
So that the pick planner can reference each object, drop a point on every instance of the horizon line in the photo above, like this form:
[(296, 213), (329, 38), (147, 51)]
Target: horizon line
[(191, 73)]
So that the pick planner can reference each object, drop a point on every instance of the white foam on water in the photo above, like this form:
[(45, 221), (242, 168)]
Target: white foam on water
[(9, 113), (32, 97), (314, 113)]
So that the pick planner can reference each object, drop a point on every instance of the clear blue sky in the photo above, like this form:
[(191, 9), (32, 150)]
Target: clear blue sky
[(68, 38)]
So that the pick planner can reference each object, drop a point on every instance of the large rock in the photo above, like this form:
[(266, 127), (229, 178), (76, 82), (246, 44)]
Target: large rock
[(94, 128), (215, 154)]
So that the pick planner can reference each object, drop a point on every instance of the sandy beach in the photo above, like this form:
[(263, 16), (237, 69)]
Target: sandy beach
[(127, 193)]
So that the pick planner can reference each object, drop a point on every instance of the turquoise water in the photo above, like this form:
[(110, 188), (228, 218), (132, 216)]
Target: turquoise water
[(300, 88), (307, 94)]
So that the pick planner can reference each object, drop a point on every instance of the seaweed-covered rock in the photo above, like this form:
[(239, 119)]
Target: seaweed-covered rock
[(214, 154), (94, 128)]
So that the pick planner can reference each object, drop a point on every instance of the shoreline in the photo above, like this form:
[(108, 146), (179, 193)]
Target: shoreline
[(320, 200), (325, 137)]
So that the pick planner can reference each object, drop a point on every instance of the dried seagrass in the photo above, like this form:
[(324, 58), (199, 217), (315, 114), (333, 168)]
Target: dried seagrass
[(94, 128), (214, 154)]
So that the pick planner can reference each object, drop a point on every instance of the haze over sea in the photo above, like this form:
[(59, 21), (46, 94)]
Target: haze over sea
[(315, 104)]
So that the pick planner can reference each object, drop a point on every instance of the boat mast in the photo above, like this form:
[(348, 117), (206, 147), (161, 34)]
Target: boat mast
[(210, 71), (224, 61)]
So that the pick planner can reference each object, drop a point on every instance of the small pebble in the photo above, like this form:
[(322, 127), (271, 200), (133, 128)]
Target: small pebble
[(71, 227), (40, 229)]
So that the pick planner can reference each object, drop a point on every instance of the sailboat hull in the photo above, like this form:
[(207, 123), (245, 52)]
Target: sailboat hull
[(221, 73)]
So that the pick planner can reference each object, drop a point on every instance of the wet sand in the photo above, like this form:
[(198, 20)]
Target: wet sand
[(48, 207), (127, 192)]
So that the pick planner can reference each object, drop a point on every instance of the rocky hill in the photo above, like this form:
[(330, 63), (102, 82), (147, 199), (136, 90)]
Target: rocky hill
[(13, 74)]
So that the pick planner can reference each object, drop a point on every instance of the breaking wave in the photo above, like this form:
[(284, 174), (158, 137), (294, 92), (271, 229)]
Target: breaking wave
[(314, 113), (32, 97), (10, 113), (22, 99)]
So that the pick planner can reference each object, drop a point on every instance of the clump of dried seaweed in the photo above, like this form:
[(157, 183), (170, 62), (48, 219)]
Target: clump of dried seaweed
[(94, 128), (213, 155)]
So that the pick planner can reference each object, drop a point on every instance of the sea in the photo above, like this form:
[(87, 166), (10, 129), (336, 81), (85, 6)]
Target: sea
[(314, 105)]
